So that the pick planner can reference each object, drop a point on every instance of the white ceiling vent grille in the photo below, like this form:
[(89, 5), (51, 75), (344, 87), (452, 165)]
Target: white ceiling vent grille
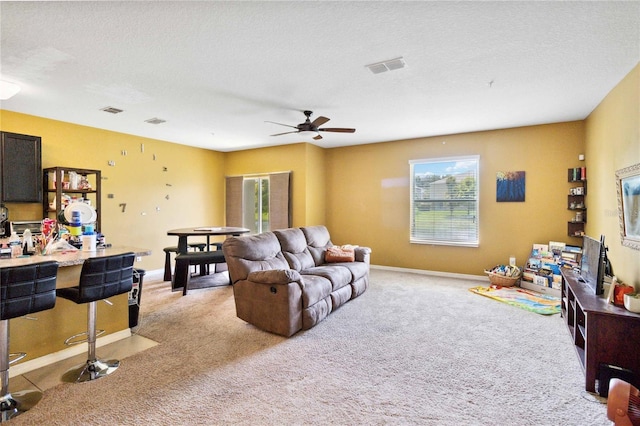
[(112, 110), (155, 121), (390, 65)]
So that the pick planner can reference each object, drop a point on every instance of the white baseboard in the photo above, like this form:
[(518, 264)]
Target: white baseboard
[(432, 273), (43, 361)]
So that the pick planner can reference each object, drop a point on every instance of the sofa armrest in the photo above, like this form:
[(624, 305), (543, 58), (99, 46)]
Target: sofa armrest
[(274, 276), (362, 254)]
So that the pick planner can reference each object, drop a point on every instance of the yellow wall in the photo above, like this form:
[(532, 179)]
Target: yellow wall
[(361, 192), (194, 181), (613, 143), (368, 199), (315, 191)]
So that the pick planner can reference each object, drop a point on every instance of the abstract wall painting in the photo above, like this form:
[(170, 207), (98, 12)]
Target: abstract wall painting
[(510, 186)]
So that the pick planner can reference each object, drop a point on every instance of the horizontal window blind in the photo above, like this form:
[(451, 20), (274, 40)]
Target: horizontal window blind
[(444, 201)]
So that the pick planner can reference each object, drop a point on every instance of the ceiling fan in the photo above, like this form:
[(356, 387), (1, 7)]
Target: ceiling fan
[(312, 126)]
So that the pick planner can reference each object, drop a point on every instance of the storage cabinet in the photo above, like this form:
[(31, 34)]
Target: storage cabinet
[(602, 334), (20, 168), (60, 190), (576, 201)]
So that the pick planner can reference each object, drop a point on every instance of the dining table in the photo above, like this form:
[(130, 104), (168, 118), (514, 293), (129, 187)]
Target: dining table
[(183, 235)]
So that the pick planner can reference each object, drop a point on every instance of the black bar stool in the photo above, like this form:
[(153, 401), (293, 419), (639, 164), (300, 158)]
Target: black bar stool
[(23, 290), (100, 278)]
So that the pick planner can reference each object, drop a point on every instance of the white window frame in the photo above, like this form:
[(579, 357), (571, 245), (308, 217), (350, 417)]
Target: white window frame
[(433, 231)]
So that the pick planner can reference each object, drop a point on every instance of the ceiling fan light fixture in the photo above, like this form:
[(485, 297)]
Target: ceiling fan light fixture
[(389, 65)]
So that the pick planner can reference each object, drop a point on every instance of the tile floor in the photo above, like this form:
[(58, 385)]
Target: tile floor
[(51, 375)]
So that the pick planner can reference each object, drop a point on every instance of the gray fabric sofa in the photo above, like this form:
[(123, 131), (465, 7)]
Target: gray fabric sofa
[(281, 282)]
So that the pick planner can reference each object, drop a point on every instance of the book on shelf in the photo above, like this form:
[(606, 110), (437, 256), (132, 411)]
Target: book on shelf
[(577, 174)]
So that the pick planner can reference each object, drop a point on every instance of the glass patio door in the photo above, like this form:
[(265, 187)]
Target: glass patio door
[(255, 206)]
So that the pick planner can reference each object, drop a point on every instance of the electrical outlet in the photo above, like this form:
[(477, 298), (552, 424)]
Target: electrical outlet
[(138, 258)]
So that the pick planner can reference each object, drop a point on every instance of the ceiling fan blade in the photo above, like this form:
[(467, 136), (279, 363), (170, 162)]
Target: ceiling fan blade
[(337, 129), (285, 133), (317, 137), (280, 124), (319, 121)]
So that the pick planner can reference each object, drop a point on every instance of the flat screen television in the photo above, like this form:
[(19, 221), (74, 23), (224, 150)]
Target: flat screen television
[(593, 263)]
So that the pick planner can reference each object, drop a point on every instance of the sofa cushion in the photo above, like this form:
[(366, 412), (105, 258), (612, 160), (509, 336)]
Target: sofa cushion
[(294, 248), (250, 253), (357, 269), (338, 275), (314, 289), (318, 239)]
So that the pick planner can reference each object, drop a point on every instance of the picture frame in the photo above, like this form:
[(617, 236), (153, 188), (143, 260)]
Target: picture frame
[(510, 186), (628, 190)]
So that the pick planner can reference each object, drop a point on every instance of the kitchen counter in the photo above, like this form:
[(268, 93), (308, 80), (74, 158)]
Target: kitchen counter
[(72, 257)]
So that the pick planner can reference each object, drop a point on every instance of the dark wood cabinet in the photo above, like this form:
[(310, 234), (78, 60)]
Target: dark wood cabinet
[(21, 168), (602, 333)]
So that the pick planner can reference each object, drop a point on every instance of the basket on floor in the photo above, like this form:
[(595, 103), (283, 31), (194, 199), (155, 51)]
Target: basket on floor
[(501, 280)]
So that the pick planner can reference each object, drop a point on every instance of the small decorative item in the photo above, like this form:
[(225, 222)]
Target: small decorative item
[(628, 189), (84, 183), (619, 292), (612, 288), (510, 186), (632, 302)]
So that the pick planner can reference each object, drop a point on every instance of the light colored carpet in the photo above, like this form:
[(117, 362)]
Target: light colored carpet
[(413, 349)]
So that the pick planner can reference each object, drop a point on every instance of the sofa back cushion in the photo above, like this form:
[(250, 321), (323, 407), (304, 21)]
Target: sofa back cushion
[(251, 253), (318, 239), (294, 248)]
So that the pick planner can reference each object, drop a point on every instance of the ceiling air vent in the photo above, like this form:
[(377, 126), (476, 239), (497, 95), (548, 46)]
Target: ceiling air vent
[(112, 110), (390, 65), (155, 121)]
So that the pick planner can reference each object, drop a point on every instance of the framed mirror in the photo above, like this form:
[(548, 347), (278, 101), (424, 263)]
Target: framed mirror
[(628, 188)]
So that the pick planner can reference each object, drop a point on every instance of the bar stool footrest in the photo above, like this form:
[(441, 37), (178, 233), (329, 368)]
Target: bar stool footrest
[(16, 357), (16, 403), (91, 370), (71, 342)]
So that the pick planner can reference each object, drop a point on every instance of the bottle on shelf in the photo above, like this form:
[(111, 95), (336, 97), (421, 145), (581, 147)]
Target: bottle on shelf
[(75, 225), (15, 244)]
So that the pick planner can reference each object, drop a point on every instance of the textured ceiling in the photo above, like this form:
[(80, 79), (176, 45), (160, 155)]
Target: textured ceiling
[(216, 71)]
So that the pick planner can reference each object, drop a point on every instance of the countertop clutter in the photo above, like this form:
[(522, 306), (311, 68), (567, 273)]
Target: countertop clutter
[(49, 237)]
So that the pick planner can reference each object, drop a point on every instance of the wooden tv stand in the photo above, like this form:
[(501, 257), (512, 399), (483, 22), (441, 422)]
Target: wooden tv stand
[(601, 332)]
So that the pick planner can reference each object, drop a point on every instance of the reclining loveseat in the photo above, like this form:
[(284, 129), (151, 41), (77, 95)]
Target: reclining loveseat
[(282, 282)]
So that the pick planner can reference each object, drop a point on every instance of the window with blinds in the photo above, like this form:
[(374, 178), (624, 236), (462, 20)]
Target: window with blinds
[(445, 201)]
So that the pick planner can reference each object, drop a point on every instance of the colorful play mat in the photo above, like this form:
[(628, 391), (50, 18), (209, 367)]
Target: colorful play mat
[(522, 298)]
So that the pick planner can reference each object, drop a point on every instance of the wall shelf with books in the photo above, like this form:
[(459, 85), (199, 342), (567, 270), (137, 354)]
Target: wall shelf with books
[(576, 201)]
